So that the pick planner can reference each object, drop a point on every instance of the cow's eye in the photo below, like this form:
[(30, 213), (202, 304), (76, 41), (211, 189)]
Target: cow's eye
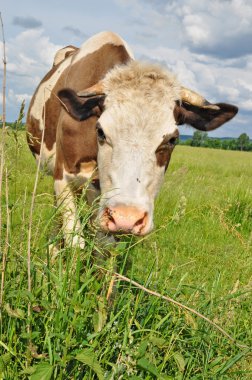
[(100, 134), (173, 141)]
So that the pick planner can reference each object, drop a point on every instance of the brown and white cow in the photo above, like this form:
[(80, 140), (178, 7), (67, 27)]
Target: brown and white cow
[(111, 120)]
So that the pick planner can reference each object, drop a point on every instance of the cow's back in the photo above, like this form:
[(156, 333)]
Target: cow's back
[(77, 69)]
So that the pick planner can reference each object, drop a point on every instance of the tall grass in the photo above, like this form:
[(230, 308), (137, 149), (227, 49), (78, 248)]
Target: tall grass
[(199, 254), (2, 159)]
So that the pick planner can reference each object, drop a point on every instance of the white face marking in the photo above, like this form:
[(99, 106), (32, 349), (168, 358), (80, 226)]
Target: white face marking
[(135, 121), (129, 173)]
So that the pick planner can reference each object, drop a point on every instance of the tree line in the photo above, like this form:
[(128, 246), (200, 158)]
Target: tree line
[(201, 139)]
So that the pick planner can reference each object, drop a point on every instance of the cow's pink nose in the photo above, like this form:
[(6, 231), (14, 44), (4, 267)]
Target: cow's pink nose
[(128, 219)]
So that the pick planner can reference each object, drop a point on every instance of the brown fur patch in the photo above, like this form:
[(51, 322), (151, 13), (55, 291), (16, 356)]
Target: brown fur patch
[(76, 141), (33, 135), (165, 149), (163, 156)]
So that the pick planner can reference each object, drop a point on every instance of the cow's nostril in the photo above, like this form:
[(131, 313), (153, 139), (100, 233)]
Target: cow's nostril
[(142, 221), (140, 224), (109, 214)]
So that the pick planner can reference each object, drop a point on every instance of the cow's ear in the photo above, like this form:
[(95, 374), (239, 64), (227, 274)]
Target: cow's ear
[(81, 108), (204, 118)]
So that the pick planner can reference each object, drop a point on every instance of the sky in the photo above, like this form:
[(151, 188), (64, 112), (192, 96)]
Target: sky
[(207, 44)]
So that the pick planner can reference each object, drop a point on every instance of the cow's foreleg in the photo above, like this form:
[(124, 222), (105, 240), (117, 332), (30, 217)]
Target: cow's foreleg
[(71, 225)]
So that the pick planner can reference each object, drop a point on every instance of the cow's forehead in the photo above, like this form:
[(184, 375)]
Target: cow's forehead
[(140, 76), (143, 124), (151, 83), (140, 101)]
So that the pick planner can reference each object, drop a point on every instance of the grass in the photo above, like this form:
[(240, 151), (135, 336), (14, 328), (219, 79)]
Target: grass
[(199, 254)]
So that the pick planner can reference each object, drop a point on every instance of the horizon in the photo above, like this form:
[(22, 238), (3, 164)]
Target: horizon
[(188, 136), (214, 137)]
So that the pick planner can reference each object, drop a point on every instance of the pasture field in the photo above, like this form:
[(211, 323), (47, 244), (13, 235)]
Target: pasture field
[(200, 254)]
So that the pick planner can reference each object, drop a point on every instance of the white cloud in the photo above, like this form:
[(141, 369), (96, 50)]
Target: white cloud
[(209, 76), (247, 85), (29, 57), (246, 104), (229, 92), (32, 46), (17, 99), (221, 28), (198, 32)]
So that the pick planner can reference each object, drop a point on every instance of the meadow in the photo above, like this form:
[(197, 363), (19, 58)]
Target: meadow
[(56, 322)]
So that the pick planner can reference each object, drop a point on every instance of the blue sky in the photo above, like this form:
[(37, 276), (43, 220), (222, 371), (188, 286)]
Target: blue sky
[(207, 44)]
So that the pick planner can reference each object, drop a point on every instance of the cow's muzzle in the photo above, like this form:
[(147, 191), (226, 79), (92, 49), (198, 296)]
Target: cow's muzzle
[(126, 219)]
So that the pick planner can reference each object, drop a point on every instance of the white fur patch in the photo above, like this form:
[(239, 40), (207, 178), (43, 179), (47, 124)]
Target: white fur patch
[(71, 225), (64, 190), (138, 115), (44, 93), (61, 54), (47, 158), (97, 41)]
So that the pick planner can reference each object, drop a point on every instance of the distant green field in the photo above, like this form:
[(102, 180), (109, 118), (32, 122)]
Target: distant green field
[(200, 254)]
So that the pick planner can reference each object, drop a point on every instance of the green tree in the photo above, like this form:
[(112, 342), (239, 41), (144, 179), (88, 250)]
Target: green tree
[(233, 144), (226, 144), (199, 139), (243, 142)]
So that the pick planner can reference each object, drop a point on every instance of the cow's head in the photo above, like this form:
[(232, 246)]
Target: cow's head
[(139, 109)]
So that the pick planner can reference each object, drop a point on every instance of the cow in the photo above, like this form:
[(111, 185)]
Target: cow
[(103, 119)]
